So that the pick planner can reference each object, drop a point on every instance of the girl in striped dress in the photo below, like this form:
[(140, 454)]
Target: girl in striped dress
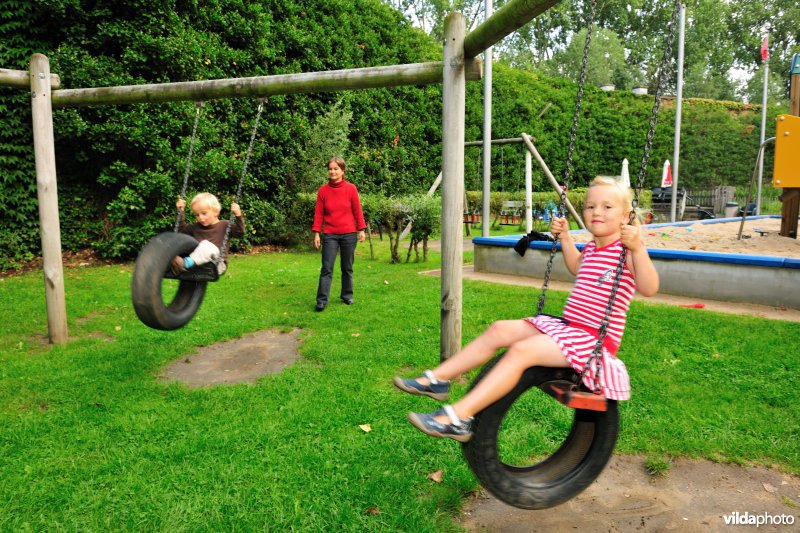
[(548, 341)]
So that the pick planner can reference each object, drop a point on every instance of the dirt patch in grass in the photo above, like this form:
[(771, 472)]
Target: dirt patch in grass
[(241, 360), (693, 496)]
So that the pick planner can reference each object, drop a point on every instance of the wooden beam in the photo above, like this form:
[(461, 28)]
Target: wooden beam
[(453, 112), (21, 79), (511, 140), (556, 187), (262, 86), (504, 21), (45, 156)]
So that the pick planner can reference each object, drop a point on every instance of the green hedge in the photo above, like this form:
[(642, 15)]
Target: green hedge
[(120, 167)]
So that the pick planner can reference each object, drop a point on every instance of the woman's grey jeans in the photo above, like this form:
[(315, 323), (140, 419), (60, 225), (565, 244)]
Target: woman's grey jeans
[(331, 244)]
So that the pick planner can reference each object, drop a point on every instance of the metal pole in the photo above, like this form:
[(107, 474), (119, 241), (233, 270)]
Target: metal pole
[(528, 192), (763, 135), (678, 110), (487, 133), (453, 111), (46, 188)]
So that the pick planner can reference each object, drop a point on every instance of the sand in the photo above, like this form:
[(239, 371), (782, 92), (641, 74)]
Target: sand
[(720, 237)]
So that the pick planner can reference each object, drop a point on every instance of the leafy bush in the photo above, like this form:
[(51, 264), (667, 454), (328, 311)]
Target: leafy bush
[(126, 163)]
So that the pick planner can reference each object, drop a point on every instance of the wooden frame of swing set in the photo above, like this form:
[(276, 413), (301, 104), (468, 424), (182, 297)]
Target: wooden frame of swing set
[(458, 66)]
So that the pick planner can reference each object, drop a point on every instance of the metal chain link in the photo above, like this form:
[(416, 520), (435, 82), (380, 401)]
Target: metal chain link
[(562, 204), (224, 248), (595, 359), (198, 106)]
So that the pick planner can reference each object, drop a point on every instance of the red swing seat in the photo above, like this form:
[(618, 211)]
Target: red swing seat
[(568, 394)]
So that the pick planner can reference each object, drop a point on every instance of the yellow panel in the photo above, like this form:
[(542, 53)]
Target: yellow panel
[(787, 152)]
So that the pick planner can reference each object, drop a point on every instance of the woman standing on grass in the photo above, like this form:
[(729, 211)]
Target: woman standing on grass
[(338, 216)]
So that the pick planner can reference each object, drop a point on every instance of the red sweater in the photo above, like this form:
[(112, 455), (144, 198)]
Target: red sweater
[(338, 208)]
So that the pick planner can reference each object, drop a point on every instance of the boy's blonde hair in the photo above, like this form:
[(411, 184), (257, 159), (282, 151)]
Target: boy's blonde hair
[(625, 193), (207, 200)]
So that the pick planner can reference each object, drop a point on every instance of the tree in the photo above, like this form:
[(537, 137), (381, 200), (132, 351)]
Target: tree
[(753, 89), (327, 137), (606, 64)]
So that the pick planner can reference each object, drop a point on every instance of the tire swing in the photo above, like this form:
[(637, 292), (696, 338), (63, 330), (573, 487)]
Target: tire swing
[(153, 263), (587, 447)]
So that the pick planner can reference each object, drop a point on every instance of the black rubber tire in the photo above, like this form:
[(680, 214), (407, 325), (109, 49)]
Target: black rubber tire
[(561, 476), (148, 273)]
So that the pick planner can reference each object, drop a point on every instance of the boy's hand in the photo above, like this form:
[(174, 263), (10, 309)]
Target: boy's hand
[(631, 237), (236, 210), (559, 227), (180, 204)]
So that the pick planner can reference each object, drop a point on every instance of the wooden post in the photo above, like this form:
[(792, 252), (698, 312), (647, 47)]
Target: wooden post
[(21, 79), (512, 16), (556, 187), (45, 155), (262, 86), (453, 112)]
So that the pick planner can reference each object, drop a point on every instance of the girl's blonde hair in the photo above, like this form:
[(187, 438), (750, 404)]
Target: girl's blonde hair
[(207, 200), (625, 193)]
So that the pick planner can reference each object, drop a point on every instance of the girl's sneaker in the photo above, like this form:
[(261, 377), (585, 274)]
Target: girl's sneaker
[(438, 390), (457, 429)]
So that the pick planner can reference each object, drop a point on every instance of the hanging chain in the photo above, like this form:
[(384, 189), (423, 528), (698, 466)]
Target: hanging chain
[(562, 205), (198, 106), (595, 359), (224, 247), (578, 100)]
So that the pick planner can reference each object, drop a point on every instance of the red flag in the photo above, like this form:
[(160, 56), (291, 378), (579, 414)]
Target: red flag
[(764, 51)]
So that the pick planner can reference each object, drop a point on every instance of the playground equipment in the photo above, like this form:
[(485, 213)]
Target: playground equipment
[(152, 265), (586, 450), (787, 169)]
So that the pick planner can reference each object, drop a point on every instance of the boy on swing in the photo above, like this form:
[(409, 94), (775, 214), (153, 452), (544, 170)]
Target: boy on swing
[(209, 231), (551, 341)]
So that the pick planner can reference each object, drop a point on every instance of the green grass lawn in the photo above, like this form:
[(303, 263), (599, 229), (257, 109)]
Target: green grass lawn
[(91, 440)]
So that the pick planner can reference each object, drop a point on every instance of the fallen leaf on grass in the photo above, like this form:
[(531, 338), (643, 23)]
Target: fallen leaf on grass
[(372, 511), (366, 428), (769, 488), (386, 282), (436, 476), (117, 328), (356, 334)]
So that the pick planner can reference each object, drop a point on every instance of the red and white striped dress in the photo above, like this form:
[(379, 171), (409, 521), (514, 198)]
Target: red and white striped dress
[(585, 308)]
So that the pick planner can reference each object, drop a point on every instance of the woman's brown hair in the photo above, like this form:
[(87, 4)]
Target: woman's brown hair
[(339, 162)]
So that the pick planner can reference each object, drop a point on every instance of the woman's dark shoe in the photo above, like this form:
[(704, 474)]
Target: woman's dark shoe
[(438, 390), (456, 429), (319, 307), (347, 301)]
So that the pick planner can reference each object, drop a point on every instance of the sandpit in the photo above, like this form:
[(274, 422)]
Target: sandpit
[(720, 237)]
